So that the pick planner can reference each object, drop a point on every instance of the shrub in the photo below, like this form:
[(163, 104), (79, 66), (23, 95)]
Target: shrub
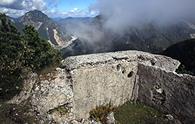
[(100, 113), (40, 54), (11, 59), (20, 54)]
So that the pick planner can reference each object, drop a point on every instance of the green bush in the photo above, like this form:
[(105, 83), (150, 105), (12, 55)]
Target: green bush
[(11, 59), (40, 54), (21, 54)]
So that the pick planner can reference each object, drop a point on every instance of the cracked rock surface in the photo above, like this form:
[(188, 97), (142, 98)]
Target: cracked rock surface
[(52, 94), (68, 94)]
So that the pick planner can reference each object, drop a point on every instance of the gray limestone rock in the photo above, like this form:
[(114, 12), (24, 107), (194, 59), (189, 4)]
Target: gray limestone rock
[(53, 96), (89, 81), (26, 91), (111, 119)]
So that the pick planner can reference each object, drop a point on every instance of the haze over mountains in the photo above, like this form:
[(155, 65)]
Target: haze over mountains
[(149, 37), (88, 35), (150, 26), (41, 83)]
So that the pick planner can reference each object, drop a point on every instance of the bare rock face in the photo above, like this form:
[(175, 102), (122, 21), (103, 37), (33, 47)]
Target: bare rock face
[(53, 96), (168, 92), (101, 79), (137, 56), (111, 119), (68, 95), (28, 85)]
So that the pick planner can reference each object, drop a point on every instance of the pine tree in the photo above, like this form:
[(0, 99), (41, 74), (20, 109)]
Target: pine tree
[(21, 53), (11, 56)]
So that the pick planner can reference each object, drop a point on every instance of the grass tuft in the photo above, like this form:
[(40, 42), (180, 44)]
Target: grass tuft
[(100, 113), (137, 113)]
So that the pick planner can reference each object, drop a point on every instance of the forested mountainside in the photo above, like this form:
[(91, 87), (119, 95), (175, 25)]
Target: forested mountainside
[(185, 53)]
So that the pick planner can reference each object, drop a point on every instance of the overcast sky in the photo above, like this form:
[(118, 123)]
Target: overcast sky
[(53, 8)]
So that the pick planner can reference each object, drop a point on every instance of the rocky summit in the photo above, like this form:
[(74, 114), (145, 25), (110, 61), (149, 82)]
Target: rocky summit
[(68, 94)]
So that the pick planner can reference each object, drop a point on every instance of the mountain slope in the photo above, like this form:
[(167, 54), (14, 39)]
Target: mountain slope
[(185, 53), (149, 37), (46, 27)]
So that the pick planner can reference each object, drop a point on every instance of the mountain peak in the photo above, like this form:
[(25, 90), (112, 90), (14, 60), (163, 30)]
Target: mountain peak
[(35, 15), (36, 12), (47, 28)]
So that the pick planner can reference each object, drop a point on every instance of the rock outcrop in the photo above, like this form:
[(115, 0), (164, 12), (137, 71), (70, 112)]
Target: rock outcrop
[(28, 85), (88, 81), (108, 78), (168, 92)]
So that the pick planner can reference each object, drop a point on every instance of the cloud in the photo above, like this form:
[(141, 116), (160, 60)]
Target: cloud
[(34, 4), (17, 8), (79, 13), (85, 31), (23, 4), (75, 12), (120, 14), (7, 2), (12, 12)]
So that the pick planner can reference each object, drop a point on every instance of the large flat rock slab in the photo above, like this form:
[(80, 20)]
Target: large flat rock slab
[(86, 82), (109, 78)]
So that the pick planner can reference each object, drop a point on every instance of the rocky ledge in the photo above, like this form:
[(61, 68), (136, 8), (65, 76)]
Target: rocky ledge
[(85, 82)]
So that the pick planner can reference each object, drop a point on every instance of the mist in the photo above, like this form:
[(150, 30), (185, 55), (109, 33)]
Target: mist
[(118, 17), (120, 14), (85, 31)]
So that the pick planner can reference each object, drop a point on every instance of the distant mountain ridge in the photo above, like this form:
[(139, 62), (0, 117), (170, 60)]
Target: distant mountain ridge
[(148, 37), (47, 28), (184, 52)]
